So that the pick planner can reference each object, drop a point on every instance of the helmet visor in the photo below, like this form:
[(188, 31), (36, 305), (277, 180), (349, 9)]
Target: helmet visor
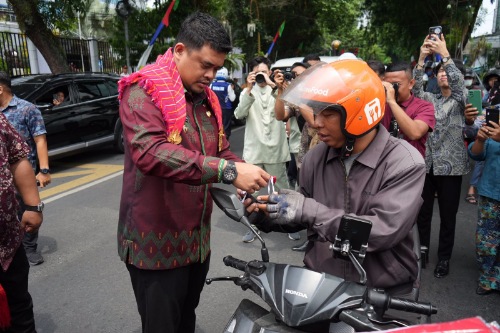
[(317, 88)]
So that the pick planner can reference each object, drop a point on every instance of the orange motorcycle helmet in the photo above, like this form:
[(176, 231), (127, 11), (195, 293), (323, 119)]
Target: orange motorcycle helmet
[(349, 86)]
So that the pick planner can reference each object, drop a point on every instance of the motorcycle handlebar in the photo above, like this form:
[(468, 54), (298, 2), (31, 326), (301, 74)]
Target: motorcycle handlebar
[(412, 306), (385, 302), (235, 263)]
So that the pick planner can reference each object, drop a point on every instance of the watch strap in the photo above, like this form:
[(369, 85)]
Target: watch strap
[(45, 171), (37, 208)]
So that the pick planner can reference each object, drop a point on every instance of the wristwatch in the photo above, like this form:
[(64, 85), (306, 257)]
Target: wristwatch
[(45, 171), (445, 60), (229, 174), (37, 208)]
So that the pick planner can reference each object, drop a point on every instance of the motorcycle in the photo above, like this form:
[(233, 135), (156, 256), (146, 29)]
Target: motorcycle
[(302, 300)]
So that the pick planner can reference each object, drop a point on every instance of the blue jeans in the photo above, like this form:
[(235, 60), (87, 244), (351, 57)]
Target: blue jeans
[(476, 173)]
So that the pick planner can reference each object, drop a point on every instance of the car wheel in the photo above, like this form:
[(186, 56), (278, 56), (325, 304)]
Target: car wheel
[(118, 143)]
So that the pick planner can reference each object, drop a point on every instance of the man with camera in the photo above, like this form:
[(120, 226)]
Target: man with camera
[(406, 116), (445, 156), (265, 143)]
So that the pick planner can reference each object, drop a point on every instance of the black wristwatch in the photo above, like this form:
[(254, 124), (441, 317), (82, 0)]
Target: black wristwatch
[(229, 174), (37, 208), (45, 171), (445, 60)]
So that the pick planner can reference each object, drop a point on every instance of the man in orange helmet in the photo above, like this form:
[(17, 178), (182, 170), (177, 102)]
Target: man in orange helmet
[(357, 169)]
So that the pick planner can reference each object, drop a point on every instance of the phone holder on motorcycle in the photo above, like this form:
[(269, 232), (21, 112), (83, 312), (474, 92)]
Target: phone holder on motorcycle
[(351, 242)]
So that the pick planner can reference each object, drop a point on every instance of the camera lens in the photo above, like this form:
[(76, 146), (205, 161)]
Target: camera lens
[(289, 76), (259, 78), (437, 31)]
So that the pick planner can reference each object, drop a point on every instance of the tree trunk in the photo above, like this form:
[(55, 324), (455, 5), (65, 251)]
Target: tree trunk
[(33, 25)]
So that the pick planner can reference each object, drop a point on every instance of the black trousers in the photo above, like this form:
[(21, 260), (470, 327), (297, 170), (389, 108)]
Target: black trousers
[(448, 190), (227, 117), (167, 299), (15, 283)]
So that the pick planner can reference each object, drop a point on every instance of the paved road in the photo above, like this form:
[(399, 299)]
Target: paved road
[(83, 286)]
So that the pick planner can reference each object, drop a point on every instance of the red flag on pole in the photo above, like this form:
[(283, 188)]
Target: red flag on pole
[(167, 14)]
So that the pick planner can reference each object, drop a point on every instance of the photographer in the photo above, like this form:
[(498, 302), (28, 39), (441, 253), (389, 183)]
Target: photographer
[(445, 155), (265, 143), (406, 116)]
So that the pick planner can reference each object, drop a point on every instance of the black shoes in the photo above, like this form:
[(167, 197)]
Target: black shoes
[(34, 258), (300, 248), (442, 268)]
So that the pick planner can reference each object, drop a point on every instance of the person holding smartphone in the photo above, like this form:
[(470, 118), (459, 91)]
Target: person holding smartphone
[(445, 155), (486, 148)]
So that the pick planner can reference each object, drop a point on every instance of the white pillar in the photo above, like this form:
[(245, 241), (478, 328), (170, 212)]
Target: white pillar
[(94, 56)]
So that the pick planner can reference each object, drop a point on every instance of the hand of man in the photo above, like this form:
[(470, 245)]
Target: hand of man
[(31, 221), (43, 179), (390, 93), (438, 45), (284, 210), (492, 131), (250, 178), (470, 114), (424, 50)]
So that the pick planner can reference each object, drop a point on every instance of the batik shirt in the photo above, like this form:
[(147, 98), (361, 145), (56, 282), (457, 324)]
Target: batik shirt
[(28, 121), (445, 151), (12, 149), (165, 206)]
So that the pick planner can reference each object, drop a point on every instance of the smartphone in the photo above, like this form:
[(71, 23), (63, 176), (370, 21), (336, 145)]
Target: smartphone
[(475, 98), (437, 30), (492, 114)]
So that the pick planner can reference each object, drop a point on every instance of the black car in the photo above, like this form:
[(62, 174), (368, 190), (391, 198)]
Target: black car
[(86, 114)]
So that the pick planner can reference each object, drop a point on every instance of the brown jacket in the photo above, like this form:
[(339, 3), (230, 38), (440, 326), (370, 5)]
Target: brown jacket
[(384, 186)]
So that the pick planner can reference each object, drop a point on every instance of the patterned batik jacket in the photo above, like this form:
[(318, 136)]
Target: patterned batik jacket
[(165, 206), (445, 150), (12, 149)]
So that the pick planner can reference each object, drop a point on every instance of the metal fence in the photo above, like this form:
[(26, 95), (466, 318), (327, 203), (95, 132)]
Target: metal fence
[(15, 57), (14, 54)]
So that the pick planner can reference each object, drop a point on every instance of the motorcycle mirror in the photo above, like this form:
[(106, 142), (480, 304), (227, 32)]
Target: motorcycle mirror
[(228, 202)]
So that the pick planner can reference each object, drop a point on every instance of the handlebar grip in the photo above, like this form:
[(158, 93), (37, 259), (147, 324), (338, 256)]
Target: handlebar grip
[(412, 306), (235, 263)]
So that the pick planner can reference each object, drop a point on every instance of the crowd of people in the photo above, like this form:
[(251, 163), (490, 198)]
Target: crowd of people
[(346, 138)]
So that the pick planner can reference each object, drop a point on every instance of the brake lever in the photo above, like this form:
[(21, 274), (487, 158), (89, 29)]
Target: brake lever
[(222, 278)]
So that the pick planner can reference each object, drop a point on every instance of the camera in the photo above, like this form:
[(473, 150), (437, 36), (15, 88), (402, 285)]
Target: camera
[(396, 90), (287, 75), (260, 78)]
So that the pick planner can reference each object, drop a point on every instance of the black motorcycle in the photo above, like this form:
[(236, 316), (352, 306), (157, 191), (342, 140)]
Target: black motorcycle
[(302, 300)]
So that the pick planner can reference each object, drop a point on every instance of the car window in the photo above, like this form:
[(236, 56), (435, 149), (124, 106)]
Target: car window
[(22, 90), (57, 96), (113, 87), (90, 90)]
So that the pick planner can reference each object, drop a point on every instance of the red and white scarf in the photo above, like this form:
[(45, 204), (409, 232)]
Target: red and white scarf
[(163, 83)]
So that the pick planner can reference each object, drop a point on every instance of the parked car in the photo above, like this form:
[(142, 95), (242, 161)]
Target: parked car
[(87, 115)]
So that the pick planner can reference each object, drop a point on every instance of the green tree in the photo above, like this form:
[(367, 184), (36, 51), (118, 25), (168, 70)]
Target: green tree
[(400, 27), (40, 19)]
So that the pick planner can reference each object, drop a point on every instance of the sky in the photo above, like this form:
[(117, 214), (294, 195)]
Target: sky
[(487, 26)]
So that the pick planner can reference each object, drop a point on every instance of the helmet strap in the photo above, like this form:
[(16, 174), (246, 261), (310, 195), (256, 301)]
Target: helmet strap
[(348, 148)]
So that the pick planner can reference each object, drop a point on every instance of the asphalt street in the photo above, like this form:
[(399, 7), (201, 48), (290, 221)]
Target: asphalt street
[(83, 286)]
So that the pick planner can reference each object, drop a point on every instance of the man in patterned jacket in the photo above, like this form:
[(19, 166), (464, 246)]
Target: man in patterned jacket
[(445, 155), (175, 149)]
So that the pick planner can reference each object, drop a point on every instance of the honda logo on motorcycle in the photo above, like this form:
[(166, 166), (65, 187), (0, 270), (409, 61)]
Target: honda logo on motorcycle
[(296, 293)]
